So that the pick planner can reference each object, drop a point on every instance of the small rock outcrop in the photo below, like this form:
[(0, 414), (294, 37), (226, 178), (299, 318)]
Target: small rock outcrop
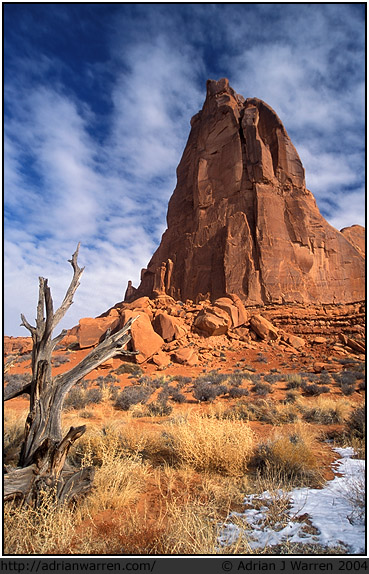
[(241, 220)]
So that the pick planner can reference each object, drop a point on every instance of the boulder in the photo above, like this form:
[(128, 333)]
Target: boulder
[(213, 321), (228, 306), (186, 356), (143, 304), (91, 331), (319, 340), (263, 328), (169, 327), (352, 343), (243, 316), (144, 338), (161, 359), (295, 342)]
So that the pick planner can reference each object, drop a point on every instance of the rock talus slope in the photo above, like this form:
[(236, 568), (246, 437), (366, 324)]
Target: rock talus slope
[(241, 220)]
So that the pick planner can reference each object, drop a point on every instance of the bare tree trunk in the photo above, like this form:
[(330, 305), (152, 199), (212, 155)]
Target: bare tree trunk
[(44, 450)]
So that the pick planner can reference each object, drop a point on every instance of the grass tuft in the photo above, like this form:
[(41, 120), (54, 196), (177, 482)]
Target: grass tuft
[(290, 456), (213, 445)]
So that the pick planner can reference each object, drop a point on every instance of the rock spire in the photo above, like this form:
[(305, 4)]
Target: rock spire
[(241, 221)]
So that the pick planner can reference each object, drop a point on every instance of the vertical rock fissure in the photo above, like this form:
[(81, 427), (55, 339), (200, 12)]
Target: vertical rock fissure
[(251, 209)]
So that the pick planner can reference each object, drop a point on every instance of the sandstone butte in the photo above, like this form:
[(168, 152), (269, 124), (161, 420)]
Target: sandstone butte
[(241, 220)]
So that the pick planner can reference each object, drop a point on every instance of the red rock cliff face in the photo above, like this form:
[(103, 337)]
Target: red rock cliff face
[(241, 220)]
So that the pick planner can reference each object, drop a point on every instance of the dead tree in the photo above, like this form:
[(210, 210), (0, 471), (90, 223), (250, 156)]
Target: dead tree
[(41, 466)]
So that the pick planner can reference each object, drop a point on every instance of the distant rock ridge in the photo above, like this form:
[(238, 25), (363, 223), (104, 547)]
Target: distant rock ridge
[(241, 221)]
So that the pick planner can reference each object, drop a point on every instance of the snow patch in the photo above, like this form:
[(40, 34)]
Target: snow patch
[(330, 516)]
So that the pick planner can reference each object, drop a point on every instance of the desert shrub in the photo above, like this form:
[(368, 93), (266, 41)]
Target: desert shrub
[(255, 377), (144, 380), (356, 423), (182, 381), (129, 368), (86, 414), (210, 444), (23, 358), (120, 472), (237, 378), (355, 493), (294, 381), (261, 358), (59, 360), (177, 396), (236, 393), (347, 377), (362, 385), (162, 381), (313, 389), (114, 392), (132, 396), (271, 413), (291, 396), (325, 378), (327, 411), (159, 408), (262, 389), (347, 389), (273, 378), (163, 395), (311, 377), (348, 361), (214, 377), (84, 383), (78, 398), (207, 391), (75, 399), (239, 411), (93, 396), (45, 530), (261, 410), (13, 436), (106, 381), (289, 457)]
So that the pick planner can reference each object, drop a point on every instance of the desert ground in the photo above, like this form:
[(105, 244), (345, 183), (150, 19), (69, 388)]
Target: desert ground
[(179, 447)]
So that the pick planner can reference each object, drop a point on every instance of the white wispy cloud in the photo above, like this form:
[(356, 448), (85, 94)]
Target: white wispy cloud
[(111, 196)]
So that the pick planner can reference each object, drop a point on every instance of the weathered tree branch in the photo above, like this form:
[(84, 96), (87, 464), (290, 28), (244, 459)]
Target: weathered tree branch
[(27, 325), (11, 393), (107, 349), (68, 299), (59, 338), (44, 451)]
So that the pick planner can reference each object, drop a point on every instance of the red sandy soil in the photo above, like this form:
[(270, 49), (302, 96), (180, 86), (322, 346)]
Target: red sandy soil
[(227, 360)]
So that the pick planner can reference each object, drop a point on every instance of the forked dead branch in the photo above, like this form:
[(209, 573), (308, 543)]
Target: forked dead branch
[(42, 462)]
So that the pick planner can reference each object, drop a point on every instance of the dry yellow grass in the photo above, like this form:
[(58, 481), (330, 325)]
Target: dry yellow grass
[(13, 434), (208, 444), (47, 530), (290, 456), (119, 476), (197, 469), (325, 410)]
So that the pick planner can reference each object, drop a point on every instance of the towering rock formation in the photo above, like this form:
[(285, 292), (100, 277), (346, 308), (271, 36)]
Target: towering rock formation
[(241, 220)]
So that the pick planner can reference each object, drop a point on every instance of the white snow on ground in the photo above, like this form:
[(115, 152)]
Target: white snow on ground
[(324, 516)]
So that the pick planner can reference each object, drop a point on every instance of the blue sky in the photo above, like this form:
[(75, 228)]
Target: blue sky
[(97, 106)]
